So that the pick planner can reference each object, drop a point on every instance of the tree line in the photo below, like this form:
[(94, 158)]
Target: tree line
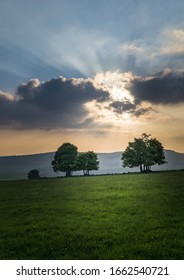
[(67, 159), (143, 152)]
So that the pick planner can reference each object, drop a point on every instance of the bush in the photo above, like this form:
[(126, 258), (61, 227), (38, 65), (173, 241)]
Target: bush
[(33, 174)]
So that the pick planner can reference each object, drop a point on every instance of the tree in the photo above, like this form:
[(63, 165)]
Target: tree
[(64, 159), (33, 174), (87, 161), (143, 152)]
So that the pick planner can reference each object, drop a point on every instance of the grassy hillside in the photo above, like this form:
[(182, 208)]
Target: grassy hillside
[(137, 216)]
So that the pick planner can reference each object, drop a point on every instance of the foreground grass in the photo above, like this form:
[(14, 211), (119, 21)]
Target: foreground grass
[(102, 217)]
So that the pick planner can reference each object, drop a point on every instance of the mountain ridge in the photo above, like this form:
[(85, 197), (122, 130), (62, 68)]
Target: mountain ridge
[(18, 166)]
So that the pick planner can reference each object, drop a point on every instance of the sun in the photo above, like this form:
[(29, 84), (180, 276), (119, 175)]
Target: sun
[(116, 85)]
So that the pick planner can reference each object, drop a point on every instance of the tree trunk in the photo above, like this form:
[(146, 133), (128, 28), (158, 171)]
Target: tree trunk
[(68, 173), (140, 167)]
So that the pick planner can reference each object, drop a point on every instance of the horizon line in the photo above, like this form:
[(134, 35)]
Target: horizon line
[(42, 153)]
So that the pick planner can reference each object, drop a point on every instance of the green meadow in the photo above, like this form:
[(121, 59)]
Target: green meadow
[(130, 216)]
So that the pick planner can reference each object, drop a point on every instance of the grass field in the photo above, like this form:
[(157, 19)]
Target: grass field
[(138, 216)]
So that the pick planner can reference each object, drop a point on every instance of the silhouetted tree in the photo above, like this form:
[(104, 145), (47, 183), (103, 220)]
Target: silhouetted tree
[(87, 161), (143, 152), (33, 174), (64, 159)]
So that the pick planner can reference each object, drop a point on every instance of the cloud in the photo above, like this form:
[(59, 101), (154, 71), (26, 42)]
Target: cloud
[(142, 111), (151, 54), (122, 106), (88, 103), (175, 41), (54, 103), (121, 101), (166, 87)]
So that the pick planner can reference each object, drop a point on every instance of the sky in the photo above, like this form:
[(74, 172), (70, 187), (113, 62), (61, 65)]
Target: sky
[(95, 73)]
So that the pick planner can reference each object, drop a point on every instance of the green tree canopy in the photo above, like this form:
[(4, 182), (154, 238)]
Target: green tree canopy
[(87, 161), (143, 152), (64, 158)]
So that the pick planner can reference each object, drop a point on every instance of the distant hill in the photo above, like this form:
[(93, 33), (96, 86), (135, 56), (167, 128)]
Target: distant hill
[(17, 167)]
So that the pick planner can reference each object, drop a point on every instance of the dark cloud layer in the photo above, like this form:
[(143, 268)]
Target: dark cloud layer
[(55, 103), (166, 87), (60, 102), (120, 107)]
